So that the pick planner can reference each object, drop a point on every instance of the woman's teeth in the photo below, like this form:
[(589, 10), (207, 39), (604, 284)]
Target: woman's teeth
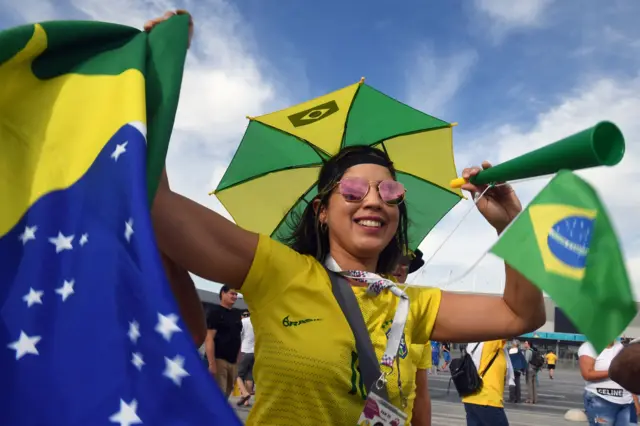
[(370, 223)]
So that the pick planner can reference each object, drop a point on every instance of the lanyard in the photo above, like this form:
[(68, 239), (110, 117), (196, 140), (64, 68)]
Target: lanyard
[(375, 285)]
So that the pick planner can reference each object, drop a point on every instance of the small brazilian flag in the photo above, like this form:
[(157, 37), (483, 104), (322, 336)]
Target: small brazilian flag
[(564, 244)]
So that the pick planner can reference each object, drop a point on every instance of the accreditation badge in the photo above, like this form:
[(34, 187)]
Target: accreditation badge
[(378, 412)]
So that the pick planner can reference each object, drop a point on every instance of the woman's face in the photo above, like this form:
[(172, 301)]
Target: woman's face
[(361, 228)]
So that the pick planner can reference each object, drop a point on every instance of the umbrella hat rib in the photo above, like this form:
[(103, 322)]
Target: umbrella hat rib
[(375, 117), (252, 178), (320, 121), (265, 150), (427, 155), (260, 204)]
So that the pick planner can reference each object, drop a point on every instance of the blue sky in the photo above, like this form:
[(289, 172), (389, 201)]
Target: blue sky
[(337, 43), (515, 74)]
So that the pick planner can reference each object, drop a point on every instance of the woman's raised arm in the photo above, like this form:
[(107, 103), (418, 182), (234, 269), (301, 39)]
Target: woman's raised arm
[(480, 317), (200, 240), (194, 238), (477, 318)]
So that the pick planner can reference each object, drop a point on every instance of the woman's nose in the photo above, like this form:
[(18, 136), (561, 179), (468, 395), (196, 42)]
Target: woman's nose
[(372, 199)]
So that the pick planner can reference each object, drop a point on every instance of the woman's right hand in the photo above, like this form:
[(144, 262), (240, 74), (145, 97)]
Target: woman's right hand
[(150, 24)]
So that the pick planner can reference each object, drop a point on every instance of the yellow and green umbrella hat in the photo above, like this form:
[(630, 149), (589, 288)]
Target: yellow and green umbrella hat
[(275, 170)]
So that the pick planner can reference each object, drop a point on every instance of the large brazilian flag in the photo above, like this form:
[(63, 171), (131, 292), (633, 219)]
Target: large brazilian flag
[(90, 333)]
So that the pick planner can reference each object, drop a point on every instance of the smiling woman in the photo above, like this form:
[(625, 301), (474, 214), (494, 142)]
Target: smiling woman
[(309, 373)]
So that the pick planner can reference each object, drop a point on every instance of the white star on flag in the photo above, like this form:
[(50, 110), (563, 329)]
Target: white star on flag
[(120, 149), (66, 290), (174, 369), (25, 345), (84, 239), (167, 325), (28, 234), (33, 297), (136, 360), (62, 242), (128, 229), (134, 331), (126, 416)]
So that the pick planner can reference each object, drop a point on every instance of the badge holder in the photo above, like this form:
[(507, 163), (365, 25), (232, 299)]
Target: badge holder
[(378, 411)]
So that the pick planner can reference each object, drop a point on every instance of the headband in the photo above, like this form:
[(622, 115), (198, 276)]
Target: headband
[(337, 168)]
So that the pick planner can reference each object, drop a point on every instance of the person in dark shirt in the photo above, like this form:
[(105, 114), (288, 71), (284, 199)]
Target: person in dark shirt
[(222, 344)]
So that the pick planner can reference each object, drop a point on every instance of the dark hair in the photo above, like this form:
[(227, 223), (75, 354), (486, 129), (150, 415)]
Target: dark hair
[(307, 237), (223, 290)]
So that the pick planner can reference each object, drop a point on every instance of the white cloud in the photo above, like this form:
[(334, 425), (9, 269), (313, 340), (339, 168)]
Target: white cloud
[(508, 15), (514, 13), (603, 99), (435, 80), (30, 11)]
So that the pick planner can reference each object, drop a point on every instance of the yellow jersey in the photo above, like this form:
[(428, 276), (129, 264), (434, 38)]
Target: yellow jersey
[(306, 365), (492, 390), (551, 358)]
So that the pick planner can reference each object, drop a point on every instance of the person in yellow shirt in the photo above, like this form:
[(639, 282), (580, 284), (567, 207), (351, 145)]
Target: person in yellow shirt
[(306, 363), (419, 401), (486, 407), (551, 358), (419, 398)]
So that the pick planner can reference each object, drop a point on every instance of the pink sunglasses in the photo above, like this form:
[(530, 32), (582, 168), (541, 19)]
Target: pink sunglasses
[(355, 189)]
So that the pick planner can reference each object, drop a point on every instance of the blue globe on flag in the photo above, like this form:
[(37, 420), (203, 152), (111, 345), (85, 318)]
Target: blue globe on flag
[(569, 240)]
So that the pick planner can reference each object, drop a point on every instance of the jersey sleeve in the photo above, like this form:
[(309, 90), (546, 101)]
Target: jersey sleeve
[(425, 360), (425, 303), (272, 271)]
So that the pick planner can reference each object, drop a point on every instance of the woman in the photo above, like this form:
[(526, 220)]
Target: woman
[(306, 362), (605, 401)]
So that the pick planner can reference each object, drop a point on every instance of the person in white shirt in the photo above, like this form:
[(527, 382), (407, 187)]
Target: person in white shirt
[(245, 369), (605, 401)]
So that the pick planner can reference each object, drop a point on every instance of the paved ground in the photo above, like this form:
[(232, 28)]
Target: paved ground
[(555, 397)]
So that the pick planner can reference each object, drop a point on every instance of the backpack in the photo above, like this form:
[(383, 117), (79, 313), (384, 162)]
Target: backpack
[(537, 359), (464, 374)]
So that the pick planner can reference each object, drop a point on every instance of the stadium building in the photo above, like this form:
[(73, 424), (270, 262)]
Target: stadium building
[(560, 335)]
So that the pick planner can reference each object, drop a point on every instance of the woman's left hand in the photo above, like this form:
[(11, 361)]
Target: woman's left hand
[(499, 205)]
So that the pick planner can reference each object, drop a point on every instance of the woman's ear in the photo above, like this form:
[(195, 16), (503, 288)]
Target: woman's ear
[(320, 211)]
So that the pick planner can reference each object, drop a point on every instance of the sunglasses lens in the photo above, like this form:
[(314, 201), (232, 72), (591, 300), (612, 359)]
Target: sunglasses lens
[(391, 191), (354, 189)]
